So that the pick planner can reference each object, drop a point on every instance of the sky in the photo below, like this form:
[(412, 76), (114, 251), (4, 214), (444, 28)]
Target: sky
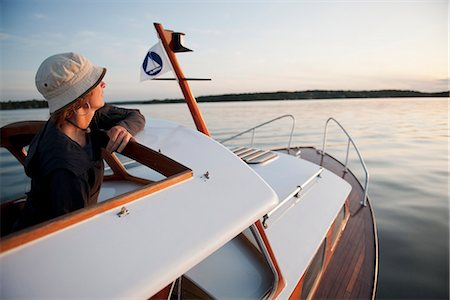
[(243, 46)]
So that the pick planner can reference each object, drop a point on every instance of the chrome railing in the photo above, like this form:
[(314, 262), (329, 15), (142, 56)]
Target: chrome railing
[(253, 129), (292, 199), (350, 140)]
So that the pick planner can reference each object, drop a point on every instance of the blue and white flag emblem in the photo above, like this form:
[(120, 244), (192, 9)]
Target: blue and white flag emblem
[(155, 63)]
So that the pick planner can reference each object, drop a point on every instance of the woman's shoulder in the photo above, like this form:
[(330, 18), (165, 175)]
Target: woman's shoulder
[(52, 150)]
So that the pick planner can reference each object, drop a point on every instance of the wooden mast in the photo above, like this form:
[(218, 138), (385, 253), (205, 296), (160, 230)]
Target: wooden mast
[(166, 39)]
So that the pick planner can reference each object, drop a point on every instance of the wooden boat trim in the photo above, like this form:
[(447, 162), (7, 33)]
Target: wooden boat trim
[(254, 156), (241, 150), (120, 173), (315, 158), (341, 228), (174, 172), (375, 231), (166, 39), (33, 233), (16, 136), (281, 282), (263, 159), (329, 249), (250, 153), (258, 155)]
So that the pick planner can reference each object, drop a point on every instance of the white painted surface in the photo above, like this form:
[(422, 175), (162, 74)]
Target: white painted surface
[(113, 188), (296, 236), (165, 234), (233, 272)]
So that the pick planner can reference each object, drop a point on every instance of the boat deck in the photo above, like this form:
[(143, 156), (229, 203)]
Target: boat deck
[(355, 258)]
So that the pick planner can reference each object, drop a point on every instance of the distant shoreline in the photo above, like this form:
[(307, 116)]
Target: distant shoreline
[(274, 96)]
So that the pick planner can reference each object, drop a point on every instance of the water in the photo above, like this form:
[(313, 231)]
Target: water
[(404, 143)]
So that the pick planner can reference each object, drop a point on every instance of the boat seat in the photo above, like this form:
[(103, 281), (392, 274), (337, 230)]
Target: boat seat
[(254, 156), (16, 136)]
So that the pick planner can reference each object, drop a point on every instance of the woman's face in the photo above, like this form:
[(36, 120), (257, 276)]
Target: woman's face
[(96, 100)]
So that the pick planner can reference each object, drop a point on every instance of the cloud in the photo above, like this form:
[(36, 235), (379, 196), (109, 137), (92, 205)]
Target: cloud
[(87, 34), (39, 16), (206, 31), (4, 36), (443, 81)]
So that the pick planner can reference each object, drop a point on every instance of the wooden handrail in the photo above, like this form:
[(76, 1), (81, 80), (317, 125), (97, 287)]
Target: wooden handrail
[(174, 172)]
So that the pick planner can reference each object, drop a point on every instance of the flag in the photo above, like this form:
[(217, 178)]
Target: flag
[(155, 63)]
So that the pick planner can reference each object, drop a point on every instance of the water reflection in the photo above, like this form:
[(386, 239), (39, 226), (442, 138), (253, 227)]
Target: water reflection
[(404, 143)]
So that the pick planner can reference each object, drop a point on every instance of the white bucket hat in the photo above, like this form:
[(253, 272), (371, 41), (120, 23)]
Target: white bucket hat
[(65, 77)]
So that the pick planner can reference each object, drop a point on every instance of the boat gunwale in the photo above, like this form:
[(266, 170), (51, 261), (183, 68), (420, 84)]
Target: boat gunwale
[(25, 236), (369, 205), (174, 171)]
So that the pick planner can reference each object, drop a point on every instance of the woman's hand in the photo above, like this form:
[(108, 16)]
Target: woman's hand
[(118, 139)]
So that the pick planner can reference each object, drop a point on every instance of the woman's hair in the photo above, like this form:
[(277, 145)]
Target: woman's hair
[(69, 110)]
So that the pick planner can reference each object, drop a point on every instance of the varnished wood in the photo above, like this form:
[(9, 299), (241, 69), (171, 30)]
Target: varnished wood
[(166, 39), (153, 159), (16, 136), (174, 171), (46, 228), (352, 270), (120, 173), (189, 290), (281, 281), (162, 294)]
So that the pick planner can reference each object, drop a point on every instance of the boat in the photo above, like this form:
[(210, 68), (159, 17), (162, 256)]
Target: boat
[(184, 216)]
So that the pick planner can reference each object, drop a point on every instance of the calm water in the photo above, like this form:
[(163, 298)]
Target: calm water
[(404, 143)]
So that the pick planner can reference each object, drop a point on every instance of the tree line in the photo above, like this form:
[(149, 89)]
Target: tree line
[(271, 96)]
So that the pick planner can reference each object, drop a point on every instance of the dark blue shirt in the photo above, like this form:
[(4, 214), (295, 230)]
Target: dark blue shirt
[(65, 176)]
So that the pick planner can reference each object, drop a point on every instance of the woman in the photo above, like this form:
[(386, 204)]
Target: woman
[(64, 161)]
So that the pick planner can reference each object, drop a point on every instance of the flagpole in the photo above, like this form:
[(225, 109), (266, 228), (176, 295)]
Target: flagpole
[(165, 37)]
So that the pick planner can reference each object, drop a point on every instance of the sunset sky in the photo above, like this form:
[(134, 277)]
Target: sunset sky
[(243, 46)]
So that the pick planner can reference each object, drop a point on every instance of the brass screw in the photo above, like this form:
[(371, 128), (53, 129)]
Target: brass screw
[(123, 212)]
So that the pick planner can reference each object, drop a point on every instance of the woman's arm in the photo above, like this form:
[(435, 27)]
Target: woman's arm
[(121, 125)]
